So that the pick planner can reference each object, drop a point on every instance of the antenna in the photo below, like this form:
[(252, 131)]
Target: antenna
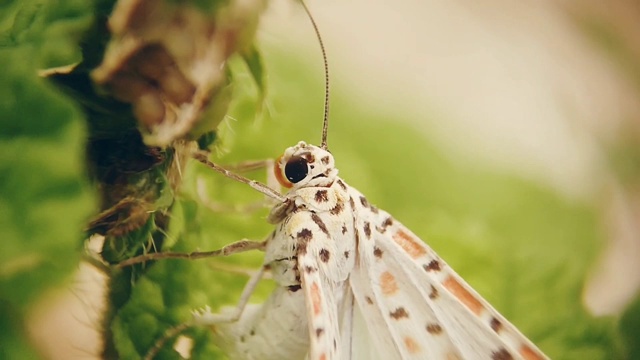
[(325, 122)]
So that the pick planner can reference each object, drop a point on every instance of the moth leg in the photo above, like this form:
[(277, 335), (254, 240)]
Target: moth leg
[(267, 164), (233, 248), (237, 270), (249, 208), (204, 316)]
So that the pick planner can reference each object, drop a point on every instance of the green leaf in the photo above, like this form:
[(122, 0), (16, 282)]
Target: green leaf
[(45, 199), (630, 328)]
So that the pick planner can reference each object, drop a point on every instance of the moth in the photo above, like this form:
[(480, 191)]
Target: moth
[(353, 282)]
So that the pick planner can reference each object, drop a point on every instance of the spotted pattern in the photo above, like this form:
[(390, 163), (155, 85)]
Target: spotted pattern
[(336, 210), (324, 255), (399, 313), (325, 160), (342, 185), (346, 254), (367, 229), (319, 332), (315, 299), (434, 329), (495, 324), (412, 346), (364, 201), (304, 235), (529, 354), (409, 244), (368, 300), (434, 293), (386, 223), (316, 219), (501, 354), (344, 229), (388, 283), (433, 265), (377, 252), (321, 196), (463, 295)]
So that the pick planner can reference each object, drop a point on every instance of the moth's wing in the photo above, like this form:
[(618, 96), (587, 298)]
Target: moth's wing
[(273, 330), (474, 327), (322, 309), (348, 320), (320, 267), (401, 323)]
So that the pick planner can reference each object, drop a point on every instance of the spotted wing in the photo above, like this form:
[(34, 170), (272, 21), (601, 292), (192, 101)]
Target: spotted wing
[(449, 320), (402, 324), (323, 269), (473, 325)]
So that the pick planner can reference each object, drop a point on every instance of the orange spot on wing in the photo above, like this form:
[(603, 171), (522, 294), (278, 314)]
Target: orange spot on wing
[(530, 354), (388, 283), (412, 346), (323, 356), (463, 295), (413, 247), (315, 298)]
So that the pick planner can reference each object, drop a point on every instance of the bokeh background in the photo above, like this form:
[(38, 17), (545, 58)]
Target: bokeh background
[(505, 134)]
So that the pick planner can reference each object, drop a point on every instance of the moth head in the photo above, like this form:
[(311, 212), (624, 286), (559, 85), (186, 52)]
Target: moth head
[(305, 165)]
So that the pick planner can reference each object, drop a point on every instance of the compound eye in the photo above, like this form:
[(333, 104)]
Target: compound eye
[(296, 169)]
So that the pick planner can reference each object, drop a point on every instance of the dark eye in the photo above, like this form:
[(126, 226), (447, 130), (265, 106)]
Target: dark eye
[(296, 169)]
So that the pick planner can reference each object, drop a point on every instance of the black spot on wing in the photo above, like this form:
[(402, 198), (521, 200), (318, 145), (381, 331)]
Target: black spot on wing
[(324, 255), (399, 313), (342, 185), (495, 324), (434, 328), (364, 202), (501, 354), (367, 229), (377, 252), (386, 223), (434, 293), (433, 265), (368, 300)]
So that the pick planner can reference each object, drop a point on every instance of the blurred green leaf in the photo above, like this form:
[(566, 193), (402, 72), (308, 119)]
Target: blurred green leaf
[(45, 199)]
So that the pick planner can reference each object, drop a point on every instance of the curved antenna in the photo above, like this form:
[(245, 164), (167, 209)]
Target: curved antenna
[(325, 122)]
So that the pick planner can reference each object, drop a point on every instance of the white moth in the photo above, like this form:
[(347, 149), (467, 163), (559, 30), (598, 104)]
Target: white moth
[(335, 258), (353, 282)]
